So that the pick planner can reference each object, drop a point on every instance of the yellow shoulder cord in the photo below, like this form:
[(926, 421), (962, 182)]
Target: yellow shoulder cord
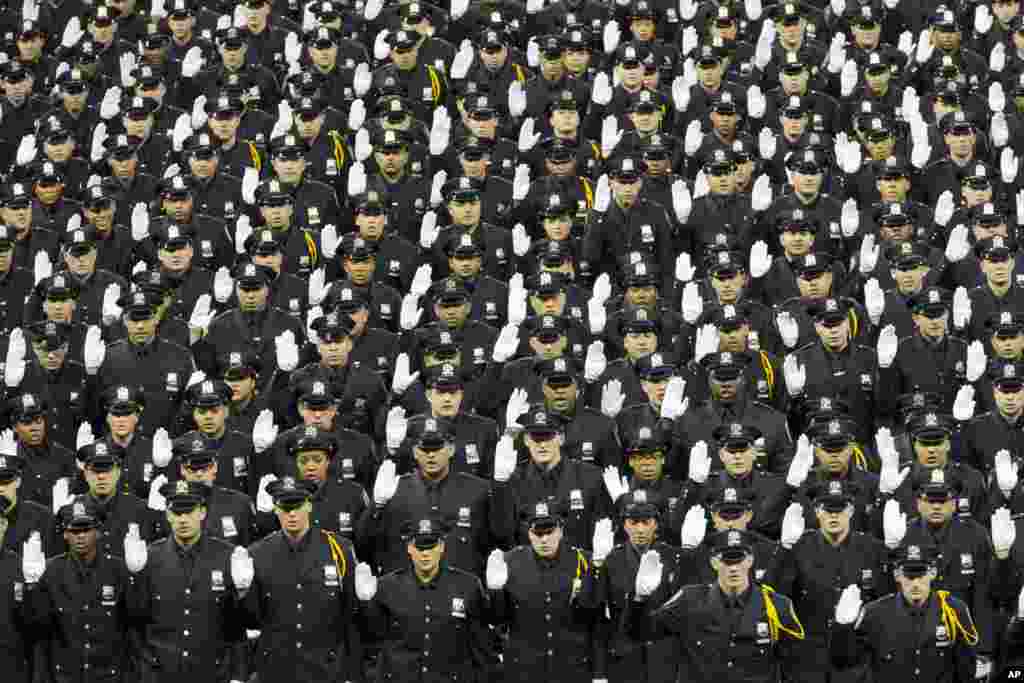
[(337, 552), (254, 154), (859, 459), (435, 84), (588, 192), (951, 620), (581, 565), (774, 623), (520, 76), (339, 149), (311, 248), (769, 373), (854, 324)]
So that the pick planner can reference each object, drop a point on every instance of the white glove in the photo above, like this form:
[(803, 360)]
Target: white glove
[(1004, 532), (411, 313), (694, 138), (849, 605), (242, 569), (250, 179), (1006, 472), (906, 46), (461, 63), (707, 342), (99, 140), (924, 47), (27, 150), (682, 203), (684, 268), (611, 136), (520, 240), (612, 398), (1000, 129), (440, 131), (687, 9), (982, 19), (674, 403), (692, 303), (386, 484), (240, 17), (366, 582), (760, 261), (356, 180), (611, 37), (381, 46), (792, 525), (110, 106), (362, 79), (837, 48), (72, 33), (243, 229), (1009, 164), (765, 41), (504, 459), (766, 144), (140, 222), (795, 374), (996, 98), (977, 361), (421, 280), (690, 40), (287, 351), (874, 300), (396, 428), (293, 48), (404, 377), (869, 252), (193, 62), (135, 551), (458, 8), (521, 180), (601, 93), (497, 570), (595, 363), (920, 153), (756, 102), (850, 220), (95, 350), (891, 477), (961, 308), (957, 247), (156, 501), (680, 94), (162, 449), (84, 436), (604, 540), (33, 561), (516, 99), (700, 463), (14, 368), (199, 117), (603, 195), (616, 484), (761, 194), (264, 431), (695, 526), (182, 131), (8, 444), (527, 138), (61, 493), (428, 229), (848, 78), (648, 576), (997, 58), (894, 524), (888, 345), (789, 329), (532, 53), (42, 267), (264, 501), (356, 114), (801, 464), (372, 9), (516, 307)]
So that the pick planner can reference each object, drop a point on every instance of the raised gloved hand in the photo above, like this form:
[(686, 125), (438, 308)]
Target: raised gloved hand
[(767, 144), (848, 78), (612, 398), (521, 182), (61, 489), (27, 150), (611, 136), (33, 561), (694, 138), (382, 46), (648, 576), (680, 94), (700, 463), (99, 141), (792, 525), (250, 180), (601, 93), (396, 428), (1006, 472), (894, 524), (497, 570), (1004, 533), (357, 179), (404, 377), (95, 350), (462, 62), (72, 33), (765, 41), (850, 220), (440, 131), (963, 405), (516, 307), (156, 501), (386, 483), (504, 459), (695, 526), (795, 374), (982, 19), (692, 304), (527, 137), (264, 501), (789, 329), (977, 361), (707, 342), (362, 79), (837, 48), (761, 196), (366, 582), (135, 551), (140, 222), (874, 300), (264, 431), (690, 40), (957, 247), (286, 351), (1009, 165), (595, 363), (684, 268), (163, 449), (616, 484), (611, 37), (760, 261), (8, 444), (674, 403), (924, 47), (603, 194), (14, 368), (411, 313), (906, 46), (604, 540), (801, 464), (997, 58), (869, 252), (849, 605), (428, 230), (42, 267), (192, 62), (888, 345), (890, 477), (516, 99), (756, 102), (84, 437), (996, 98), (242, 569), (223, 285)]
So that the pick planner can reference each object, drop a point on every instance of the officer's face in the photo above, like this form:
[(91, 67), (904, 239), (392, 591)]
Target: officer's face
[(205, 473), (1005, 10), (936, 512), (643, 296), (242, 389), (834, 461), (140, 331), (910, 280), (452, 315), (546, 540), (139, 128), (866, 36), (551, 69), (308, 126), (796, 243), (289, 170), (549, 304), (177, 261), (815, 285), (722, 183), (371, 227), (465, 212), (251, 300), (731, 520), (934, 328), (639, 344), (296, 520), (324, 58), (647, 121), (485, 128), (626, 191), (391, 160), (124, 168), (1010, 346), (6, 256), (360, 271), (434, 462), (834, 524), (835, 337), (466, 267), (728, 285), (733, 578), (272, 261), (881, 150), (318, 415), (122, 426), (224, 126), (445, 401), (807, 185), (733, 339), (312, 465), (723, 389), (997, 270), (51, 359), (916, 589), (18, 217), (178, 208), (210, 419), (545, 447), (560, 398), (203, 168), (475, 168), (187, 526), (81, 542), (565, 122), (984, 231), (549, 348), (738, 462), (960, 146), (557, 228), (641, 531), (655, 388), (233, 57), (60, 310), (576, 59), (100, 216), (425, 560), (892, 190), (1009, 399), (931, 452), (9, 490), (102, 483), (647, 465), (49, 191)]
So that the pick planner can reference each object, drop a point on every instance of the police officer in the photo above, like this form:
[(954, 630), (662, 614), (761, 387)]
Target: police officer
[(15, 283), (208, 401), (20, 517), (545, 592), (429, 617), (229, 513), (43, 462), (79, 601), (19, 653), (183, 593), (297, 588)]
